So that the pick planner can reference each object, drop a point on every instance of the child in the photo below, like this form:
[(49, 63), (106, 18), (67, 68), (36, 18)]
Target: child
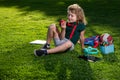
[(71, 32)]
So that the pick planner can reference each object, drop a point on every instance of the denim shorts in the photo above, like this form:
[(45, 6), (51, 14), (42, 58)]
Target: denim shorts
[(58, 42)]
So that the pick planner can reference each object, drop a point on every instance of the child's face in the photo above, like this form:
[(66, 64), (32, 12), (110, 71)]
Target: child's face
[(72, 17)]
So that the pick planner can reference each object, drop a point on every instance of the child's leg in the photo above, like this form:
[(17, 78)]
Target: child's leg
[(60, 48), (53, 32)]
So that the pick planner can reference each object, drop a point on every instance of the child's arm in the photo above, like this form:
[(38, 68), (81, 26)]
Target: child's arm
[(63, 28), (62, 36), (82, 38)]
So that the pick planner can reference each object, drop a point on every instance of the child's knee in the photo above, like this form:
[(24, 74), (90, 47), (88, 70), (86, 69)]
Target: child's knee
[(52, 27), (68, 45)]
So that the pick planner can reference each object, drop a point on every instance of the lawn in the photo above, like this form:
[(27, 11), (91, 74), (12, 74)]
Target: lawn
[(22, 21)]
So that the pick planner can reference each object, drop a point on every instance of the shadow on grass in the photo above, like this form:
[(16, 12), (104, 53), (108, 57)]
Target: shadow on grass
[(98, 12), (110, 58), (67, 66)]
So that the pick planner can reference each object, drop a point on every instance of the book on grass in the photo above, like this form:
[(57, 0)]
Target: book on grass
[(38, 42), (89, 58)]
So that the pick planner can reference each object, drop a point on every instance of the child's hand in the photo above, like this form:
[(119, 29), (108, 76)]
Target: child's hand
[(63, 24)]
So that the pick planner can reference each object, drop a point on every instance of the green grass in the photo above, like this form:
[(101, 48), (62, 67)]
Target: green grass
[(22, 21)]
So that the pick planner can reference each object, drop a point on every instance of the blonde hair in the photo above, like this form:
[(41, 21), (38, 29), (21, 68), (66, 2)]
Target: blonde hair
[(76, 9)]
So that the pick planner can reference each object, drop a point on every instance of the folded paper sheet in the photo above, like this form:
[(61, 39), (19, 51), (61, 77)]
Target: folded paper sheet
[(38, 42)]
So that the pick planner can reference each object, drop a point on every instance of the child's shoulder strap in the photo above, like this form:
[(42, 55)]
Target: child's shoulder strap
[(73, 30)]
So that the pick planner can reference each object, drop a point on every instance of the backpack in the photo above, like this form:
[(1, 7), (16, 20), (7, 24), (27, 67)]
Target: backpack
[(92, 41)]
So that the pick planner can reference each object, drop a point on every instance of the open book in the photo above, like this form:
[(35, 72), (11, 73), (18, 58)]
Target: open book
[(38, 42)]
